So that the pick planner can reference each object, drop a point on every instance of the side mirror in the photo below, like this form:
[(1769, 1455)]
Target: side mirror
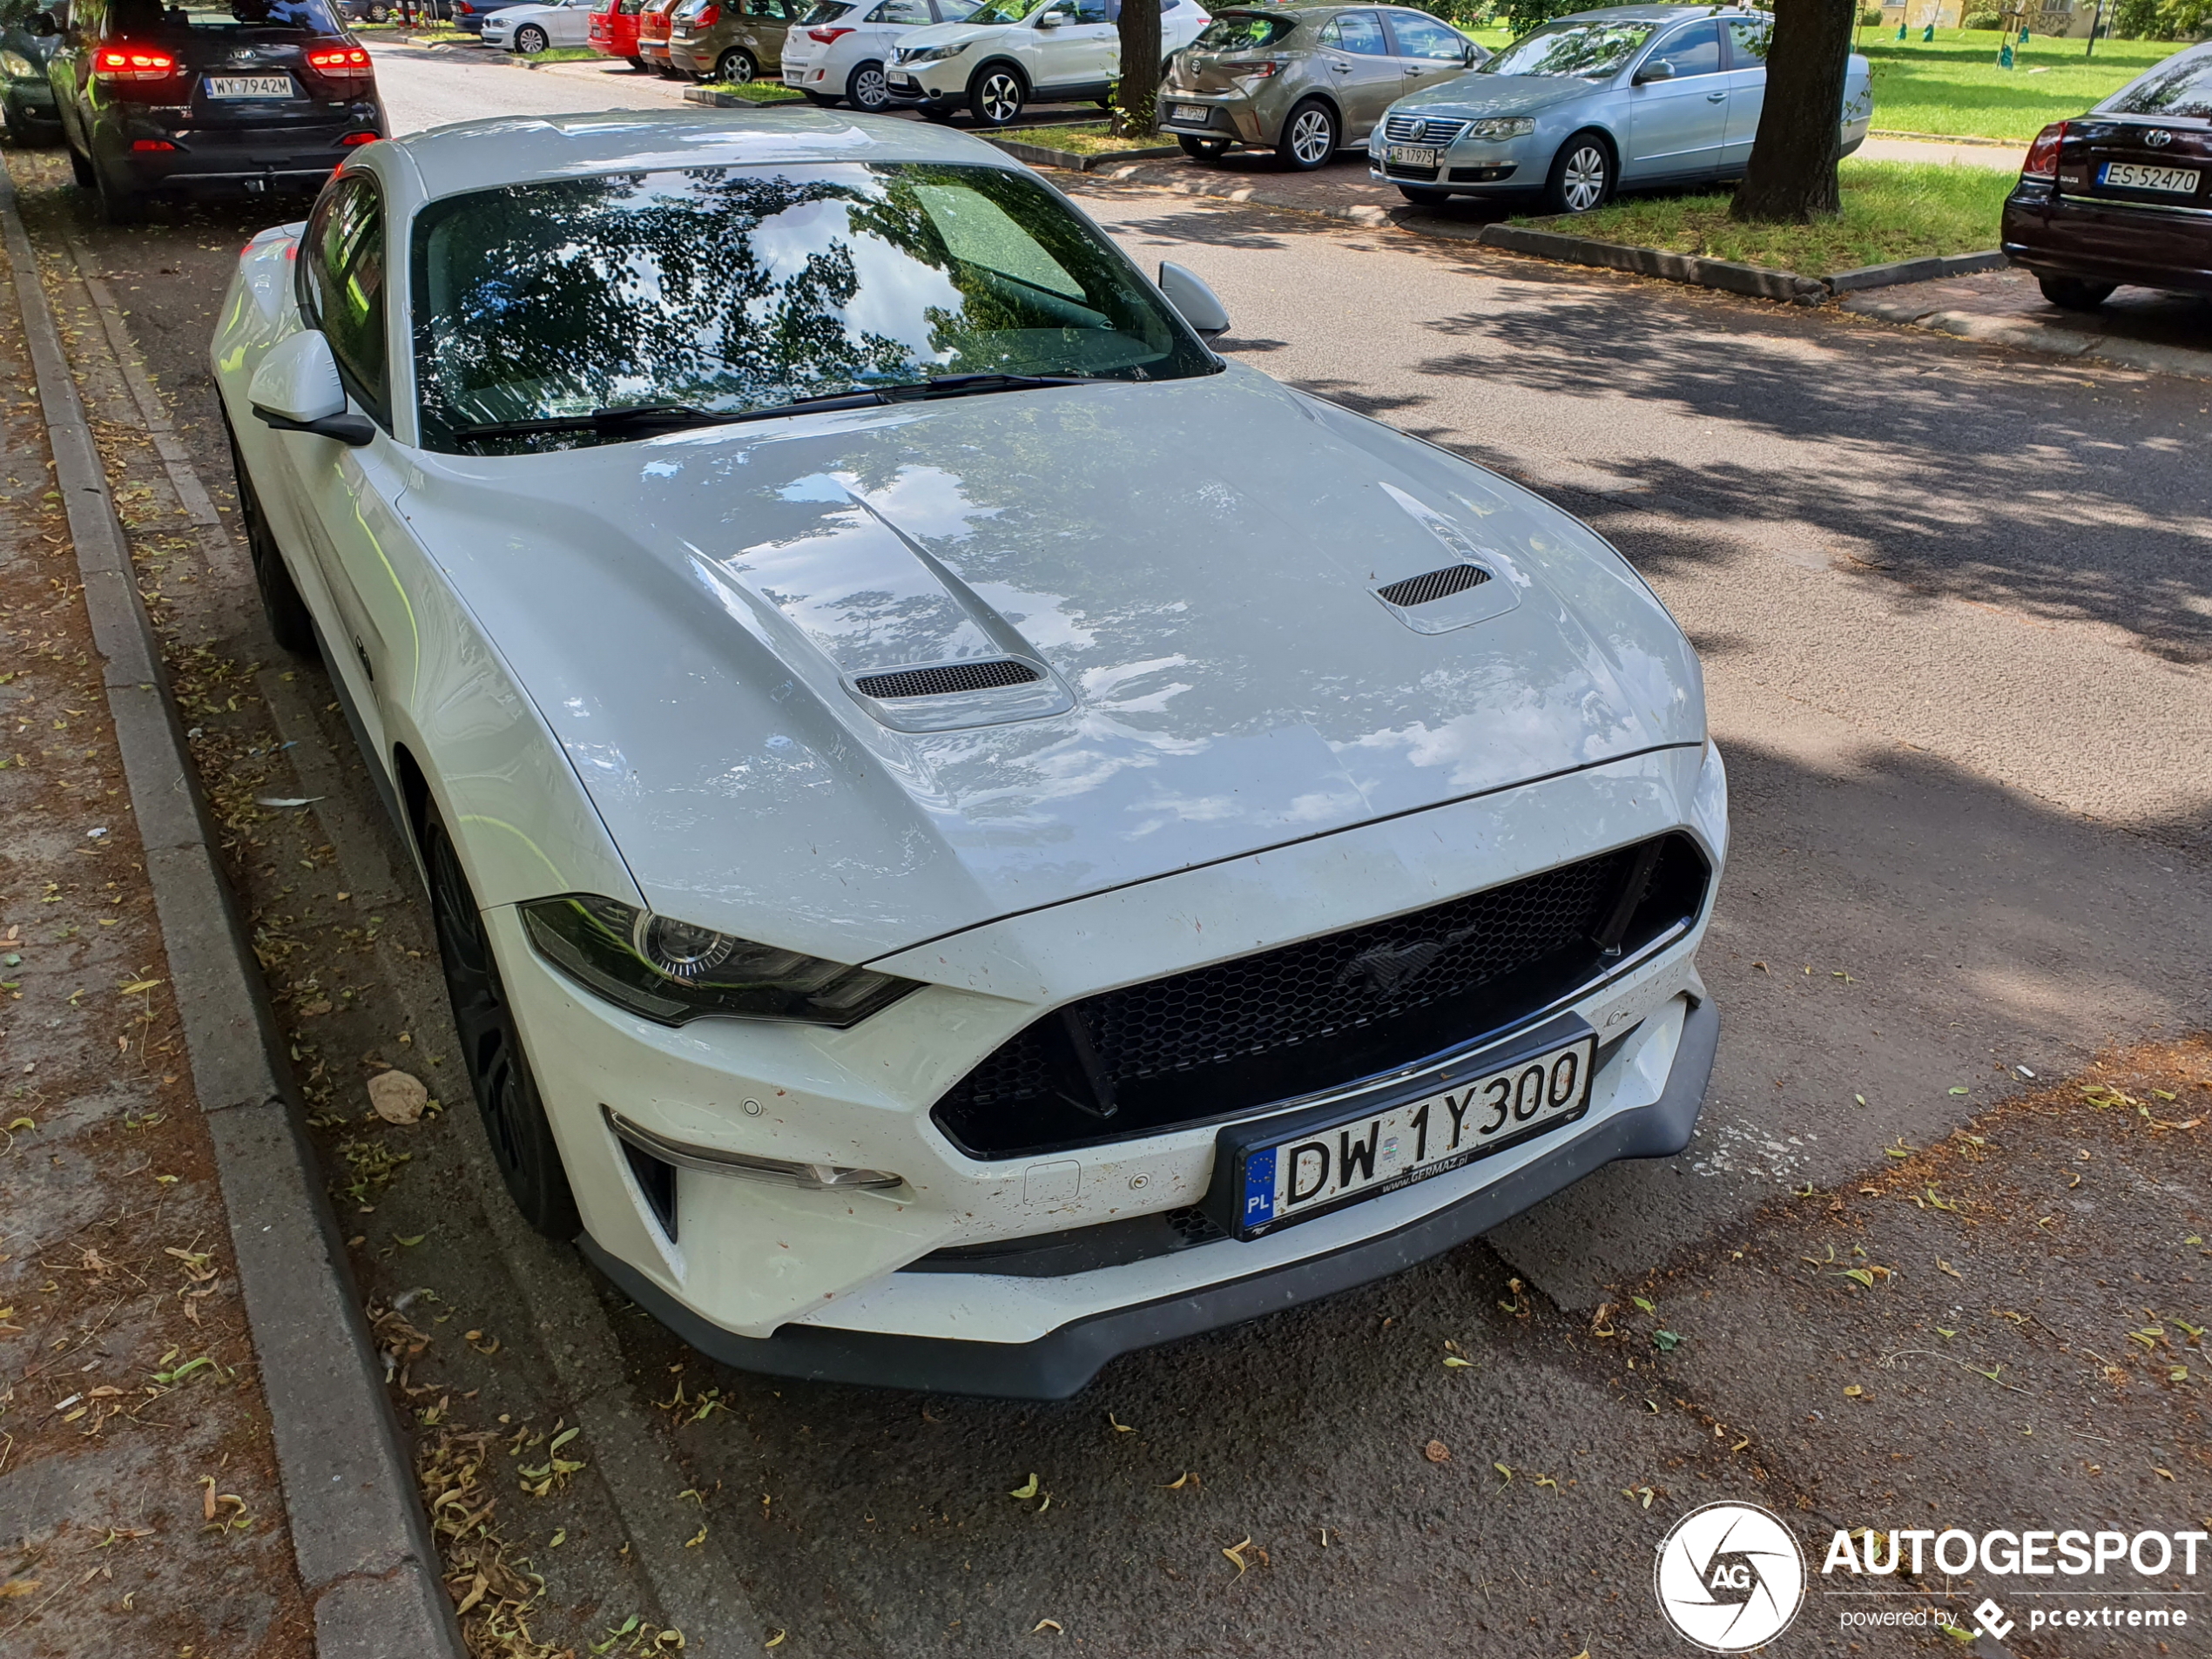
[(1654, 69), (1051, 19), (1473, 55), (42, 24), (297, 390), (1189, 295)]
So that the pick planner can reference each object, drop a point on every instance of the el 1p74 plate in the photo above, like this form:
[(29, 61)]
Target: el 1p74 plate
[(1277, 1171)]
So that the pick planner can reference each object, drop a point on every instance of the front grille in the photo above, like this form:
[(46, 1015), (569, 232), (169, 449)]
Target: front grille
[(1399, 170), (1435, 584), (1411, 129), (1218, 1041), (940, 681)]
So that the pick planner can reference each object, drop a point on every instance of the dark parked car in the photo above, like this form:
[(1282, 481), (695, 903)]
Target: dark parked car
[(27, 40), (469, 15), (257, 97), (2122, 194)]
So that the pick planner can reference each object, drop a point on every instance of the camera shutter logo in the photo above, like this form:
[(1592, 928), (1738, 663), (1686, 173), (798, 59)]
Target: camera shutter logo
[(1729, 1577)]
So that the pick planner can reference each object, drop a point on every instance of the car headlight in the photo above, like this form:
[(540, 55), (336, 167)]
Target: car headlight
[(932, 54), (16, 67), (671, 971), (1516, 126)]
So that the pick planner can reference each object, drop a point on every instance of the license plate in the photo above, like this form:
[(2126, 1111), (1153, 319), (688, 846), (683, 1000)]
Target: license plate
[(2128, 175), (249, 86), (798, 77), (1195, 113), (898, 80), (1279, 1174), (1413, 155)]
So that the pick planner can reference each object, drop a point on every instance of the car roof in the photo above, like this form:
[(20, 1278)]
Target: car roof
[(533, 149), (1655, 14)]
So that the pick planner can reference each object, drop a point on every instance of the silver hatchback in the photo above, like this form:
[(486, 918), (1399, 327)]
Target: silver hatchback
[(1628, 97), (1304, 81)]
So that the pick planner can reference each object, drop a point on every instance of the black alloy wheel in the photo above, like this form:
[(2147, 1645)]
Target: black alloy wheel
[(290, 621), (867, 89), (2075, 293), (1310, 137), (491, 1048), (735, 67), (1581, 175), (995, 96), (1202, 149)]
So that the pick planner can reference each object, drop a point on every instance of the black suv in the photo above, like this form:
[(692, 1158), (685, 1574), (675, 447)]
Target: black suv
[(258, 96)]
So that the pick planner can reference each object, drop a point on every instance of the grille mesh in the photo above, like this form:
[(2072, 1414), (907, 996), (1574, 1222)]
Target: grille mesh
[(939, 682), (1411, 129), (1305, 992), (1434, 585)]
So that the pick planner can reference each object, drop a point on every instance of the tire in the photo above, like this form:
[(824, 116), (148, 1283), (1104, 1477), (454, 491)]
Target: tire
[(491, 1048), (1420, 196), (1203, 149), (530, 40), (866, 90), (379, 14), (822, 100), (996, 95), (120, 203), (1310, 138), (1582, 176), (735, 67), (2075, 293), (290, 621), (638, 63), (942, 117), (81, 171)]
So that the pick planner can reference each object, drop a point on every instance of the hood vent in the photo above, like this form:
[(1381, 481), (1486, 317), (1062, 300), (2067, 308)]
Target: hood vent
[(944, 681), (1434, 585)]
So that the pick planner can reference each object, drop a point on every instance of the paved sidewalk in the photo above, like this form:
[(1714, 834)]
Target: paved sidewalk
[(2136, 329)]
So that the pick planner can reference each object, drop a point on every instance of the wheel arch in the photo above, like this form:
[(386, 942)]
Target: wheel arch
[(1029, 87), (1316, 95)]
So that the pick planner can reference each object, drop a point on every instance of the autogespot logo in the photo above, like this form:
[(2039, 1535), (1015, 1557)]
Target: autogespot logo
[(1729, 1577)]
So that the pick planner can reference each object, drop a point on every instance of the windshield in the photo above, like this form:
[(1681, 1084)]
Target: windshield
[(1590, 50), (1003, 11), (2180, 87), (1243, 31), (733, 291)]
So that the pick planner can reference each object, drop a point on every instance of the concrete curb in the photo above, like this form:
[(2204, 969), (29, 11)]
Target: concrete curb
[(359, 1536), (1753, 280), (1038, 155), (715, 100), (1947, 137), (1925, 270), (1121, 169)]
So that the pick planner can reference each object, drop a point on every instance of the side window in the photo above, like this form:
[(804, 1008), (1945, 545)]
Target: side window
[(956, 10), (1090, 11), (344, 275), (901, 12), (1694, 51), (1419, 37), (1748, 40), (1355, 31)]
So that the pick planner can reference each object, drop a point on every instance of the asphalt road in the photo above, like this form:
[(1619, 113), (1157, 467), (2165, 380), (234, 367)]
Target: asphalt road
[(1957, 622)]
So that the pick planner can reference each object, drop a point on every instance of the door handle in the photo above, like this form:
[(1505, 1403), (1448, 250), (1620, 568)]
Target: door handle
[(1715, 98)]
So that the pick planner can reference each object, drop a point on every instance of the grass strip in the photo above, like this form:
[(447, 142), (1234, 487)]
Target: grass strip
[(1892, 210)]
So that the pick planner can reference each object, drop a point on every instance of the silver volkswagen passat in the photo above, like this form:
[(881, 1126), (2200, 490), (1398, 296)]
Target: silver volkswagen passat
[(1626, 98)]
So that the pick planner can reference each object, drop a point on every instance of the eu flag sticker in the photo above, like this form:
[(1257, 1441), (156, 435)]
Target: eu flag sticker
[(1259, 1189)]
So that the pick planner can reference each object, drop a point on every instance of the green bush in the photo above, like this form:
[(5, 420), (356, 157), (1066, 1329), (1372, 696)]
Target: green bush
[(1982, 20), (1869, 18), (2162, 19), (1521, 15)]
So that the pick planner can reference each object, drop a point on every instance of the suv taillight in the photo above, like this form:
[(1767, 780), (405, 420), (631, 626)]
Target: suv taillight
[(340, 62), (133, 63), (825, 35), (2043, 155)]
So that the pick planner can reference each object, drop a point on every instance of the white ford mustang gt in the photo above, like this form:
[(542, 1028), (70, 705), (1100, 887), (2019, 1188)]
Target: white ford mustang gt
[(968, 834)]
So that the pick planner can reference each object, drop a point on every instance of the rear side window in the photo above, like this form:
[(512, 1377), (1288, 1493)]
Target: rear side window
[(1355, 31), (828, 11), (901, 12), (1748, 40), (344, 275), (2181, 87), (1243, 31)]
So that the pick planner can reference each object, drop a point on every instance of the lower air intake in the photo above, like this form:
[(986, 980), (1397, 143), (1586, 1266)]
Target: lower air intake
[(1434, 585), (941, 682)]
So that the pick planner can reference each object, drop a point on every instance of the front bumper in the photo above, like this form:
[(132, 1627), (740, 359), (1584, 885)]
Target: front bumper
[(31, 101), (1059, 1364), (756, 1261), (940, 86), (1506, 168), (2107, 241)]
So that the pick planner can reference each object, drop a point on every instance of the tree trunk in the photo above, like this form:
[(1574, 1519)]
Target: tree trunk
[(1791, 175), (1138, 97)]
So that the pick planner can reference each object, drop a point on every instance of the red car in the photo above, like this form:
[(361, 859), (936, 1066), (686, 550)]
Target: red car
[(614, 30), (656, 20), (2122, 194)]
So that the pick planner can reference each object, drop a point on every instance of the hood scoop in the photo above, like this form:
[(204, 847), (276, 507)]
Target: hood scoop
[(946, 697), (1481, 583), (1433, 585), (945, 679)]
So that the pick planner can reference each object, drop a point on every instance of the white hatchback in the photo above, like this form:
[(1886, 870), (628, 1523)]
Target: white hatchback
[(531, 29), (839, 51), (1012, 53)]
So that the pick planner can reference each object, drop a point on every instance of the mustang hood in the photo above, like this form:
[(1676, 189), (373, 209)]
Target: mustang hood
[(1183, 576), (1479, 96)]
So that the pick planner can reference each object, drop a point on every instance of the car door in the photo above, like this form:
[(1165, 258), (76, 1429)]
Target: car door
[(1747, 39), (1085, 48), (1427, 50), (1676, 124), (343, 498), (1359, 70), (571, 24)]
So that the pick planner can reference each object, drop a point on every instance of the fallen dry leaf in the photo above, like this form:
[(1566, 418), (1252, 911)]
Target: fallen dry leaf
[(1052, 1625), (1183, 1480), (1437, 1452), (1029, 1490), (397, 1097)]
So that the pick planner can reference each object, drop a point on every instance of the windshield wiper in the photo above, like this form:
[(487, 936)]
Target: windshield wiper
[(606, 422), (968, 385)]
